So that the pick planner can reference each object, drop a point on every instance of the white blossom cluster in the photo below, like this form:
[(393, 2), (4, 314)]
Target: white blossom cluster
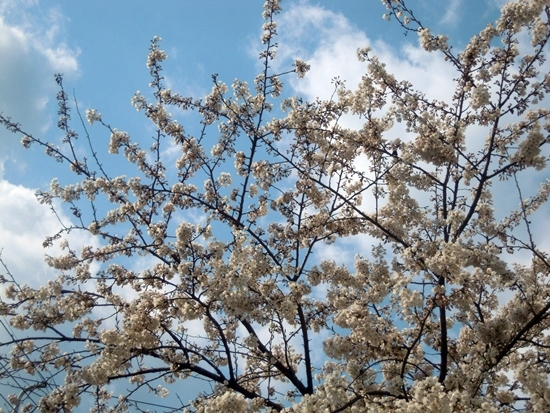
[(117, 140), (92, 116), (430, 42), (301, 68), (480, 97), (226, 266)]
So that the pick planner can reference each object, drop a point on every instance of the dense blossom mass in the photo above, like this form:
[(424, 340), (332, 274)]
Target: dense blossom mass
[(446, 307)]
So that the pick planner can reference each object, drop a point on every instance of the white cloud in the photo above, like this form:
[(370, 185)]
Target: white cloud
[(328, 42), (451, 13), (499, 3), (12, 6), (24, 225), (31, 54)]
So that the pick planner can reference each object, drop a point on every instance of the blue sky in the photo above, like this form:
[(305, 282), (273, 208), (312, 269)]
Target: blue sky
[(101, 47)]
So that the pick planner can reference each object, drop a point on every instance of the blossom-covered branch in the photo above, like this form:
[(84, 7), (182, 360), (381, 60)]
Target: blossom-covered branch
[(210, 266)]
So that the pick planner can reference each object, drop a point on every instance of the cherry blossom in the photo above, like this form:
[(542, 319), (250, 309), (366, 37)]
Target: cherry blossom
[(215, 264)]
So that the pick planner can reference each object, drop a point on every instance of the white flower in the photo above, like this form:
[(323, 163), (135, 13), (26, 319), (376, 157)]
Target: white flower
[(92, 115), (225, 179), (26, 141), (301, 67), (117, 140), (431, 43), (480, 97), (155, 56)]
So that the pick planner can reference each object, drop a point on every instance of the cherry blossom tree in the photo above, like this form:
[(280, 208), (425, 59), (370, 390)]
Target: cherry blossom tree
[(445, 308)]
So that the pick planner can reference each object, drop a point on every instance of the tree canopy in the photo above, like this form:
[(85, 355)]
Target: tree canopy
[(445, 308)]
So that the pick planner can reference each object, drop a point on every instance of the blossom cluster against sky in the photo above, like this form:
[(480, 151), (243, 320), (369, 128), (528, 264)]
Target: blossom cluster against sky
[(101, 48)]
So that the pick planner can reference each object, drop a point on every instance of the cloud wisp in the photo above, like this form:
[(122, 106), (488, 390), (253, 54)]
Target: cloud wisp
[(32, 52)]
